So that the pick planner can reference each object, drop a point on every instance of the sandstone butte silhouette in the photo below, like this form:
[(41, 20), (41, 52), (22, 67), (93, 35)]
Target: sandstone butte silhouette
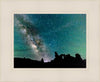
[(60, 61)]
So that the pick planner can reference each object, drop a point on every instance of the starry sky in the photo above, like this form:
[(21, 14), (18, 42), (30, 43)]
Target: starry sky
[(38, 36)]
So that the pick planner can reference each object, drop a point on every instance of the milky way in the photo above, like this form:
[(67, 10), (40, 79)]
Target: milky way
[(32, 38)]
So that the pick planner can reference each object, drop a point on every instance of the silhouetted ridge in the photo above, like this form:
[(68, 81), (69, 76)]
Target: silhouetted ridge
[(60, 61)]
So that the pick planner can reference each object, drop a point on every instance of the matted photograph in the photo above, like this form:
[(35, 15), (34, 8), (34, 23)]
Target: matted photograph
[(49, 40)]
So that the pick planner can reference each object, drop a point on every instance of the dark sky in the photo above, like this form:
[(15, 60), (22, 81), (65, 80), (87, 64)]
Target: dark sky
[(40, 35)]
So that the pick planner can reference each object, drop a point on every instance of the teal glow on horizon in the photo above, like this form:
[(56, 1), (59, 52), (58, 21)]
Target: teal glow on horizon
[(38, 36)]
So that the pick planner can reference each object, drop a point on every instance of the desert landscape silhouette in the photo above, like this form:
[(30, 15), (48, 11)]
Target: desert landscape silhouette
[(60, 61)]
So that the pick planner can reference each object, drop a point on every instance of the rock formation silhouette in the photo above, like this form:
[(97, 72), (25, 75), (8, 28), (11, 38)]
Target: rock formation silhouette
[(60, 61)]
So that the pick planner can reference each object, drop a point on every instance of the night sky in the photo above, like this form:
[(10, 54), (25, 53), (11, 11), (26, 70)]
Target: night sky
[(38, 36)]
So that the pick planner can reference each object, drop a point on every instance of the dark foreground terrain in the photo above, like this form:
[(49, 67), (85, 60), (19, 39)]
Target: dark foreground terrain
[(60, 61)]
